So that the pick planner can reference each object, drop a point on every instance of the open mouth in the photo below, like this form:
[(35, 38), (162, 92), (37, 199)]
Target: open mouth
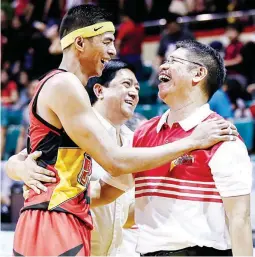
[(104, 61), (129, 102), (164, 78)]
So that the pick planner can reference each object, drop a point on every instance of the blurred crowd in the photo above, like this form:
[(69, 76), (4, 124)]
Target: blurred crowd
[(30, 47)]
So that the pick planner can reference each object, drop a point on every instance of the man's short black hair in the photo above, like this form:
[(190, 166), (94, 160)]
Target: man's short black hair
[(82, 16), (108, 74), (211, 59)]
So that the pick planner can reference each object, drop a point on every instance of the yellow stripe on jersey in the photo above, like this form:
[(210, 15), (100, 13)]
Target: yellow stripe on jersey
[(69, 164)]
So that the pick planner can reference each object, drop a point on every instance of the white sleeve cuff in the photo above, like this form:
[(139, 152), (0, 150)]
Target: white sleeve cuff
[(235, 193), (123, 182), (232, 169)]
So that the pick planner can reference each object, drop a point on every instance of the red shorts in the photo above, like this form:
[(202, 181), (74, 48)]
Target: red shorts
[(47, 233)]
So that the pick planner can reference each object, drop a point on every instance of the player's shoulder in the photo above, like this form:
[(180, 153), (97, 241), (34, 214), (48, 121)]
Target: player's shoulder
[(214, 115), (65, 78), (63, 81), (233, 148)]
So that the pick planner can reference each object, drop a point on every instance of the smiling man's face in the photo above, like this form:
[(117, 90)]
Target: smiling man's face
[(176, 76), (96, 53), (122, 94)]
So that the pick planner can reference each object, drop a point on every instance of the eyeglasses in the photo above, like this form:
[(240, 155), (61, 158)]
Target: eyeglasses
[(172, 59)]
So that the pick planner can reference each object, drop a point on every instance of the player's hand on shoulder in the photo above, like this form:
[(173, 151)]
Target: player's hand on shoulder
[(33, 175), (213, 131)]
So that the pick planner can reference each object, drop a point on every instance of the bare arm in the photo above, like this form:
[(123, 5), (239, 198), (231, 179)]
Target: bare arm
[(232, 172), (102, 193), (238, 212), (66, 97)]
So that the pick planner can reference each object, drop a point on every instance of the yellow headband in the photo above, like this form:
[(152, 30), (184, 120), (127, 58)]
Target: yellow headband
[(90, 31)]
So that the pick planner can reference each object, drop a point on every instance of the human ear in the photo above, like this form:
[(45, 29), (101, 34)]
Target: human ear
[(98, 90), (199, 74), (79, 43)]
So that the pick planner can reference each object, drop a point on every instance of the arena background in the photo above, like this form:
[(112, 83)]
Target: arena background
[(29, 39)]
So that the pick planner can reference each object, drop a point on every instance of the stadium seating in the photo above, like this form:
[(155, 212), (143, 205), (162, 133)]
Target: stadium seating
[(151, 110), (246, 129), (10, 116), (12, 135), (147, 94), (147, 110)]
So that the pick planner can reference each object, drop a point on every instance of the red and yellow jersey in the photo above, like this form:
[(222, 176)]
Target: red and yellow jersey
[(61, 155)]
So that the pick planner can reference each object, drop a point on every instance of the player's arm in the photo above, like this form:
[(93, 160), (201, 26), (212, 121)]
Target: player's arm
[(23, 167), (232, 172), (68, 99), (108, 188), (102, 193)]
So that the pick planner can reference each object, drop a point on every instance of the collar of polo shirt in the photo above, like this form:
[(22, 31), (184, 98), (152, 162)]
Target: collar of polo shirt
[(191, 121)]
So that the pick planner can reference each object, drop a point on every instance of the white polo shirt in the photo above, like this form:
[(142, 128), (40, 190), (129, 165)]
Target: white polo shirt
[(107, 235), (179, 205)]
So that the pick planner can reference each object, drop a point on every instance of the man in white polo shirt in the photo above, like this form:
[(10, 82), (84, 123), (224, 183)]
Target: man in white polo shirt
[(114, 103), (180, 207)]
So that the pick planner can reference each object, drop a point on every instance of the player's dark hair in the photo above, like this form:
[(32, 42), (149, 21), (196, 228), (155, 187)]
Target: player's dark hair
[(82, 16), (108, 74), (211, 59)]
